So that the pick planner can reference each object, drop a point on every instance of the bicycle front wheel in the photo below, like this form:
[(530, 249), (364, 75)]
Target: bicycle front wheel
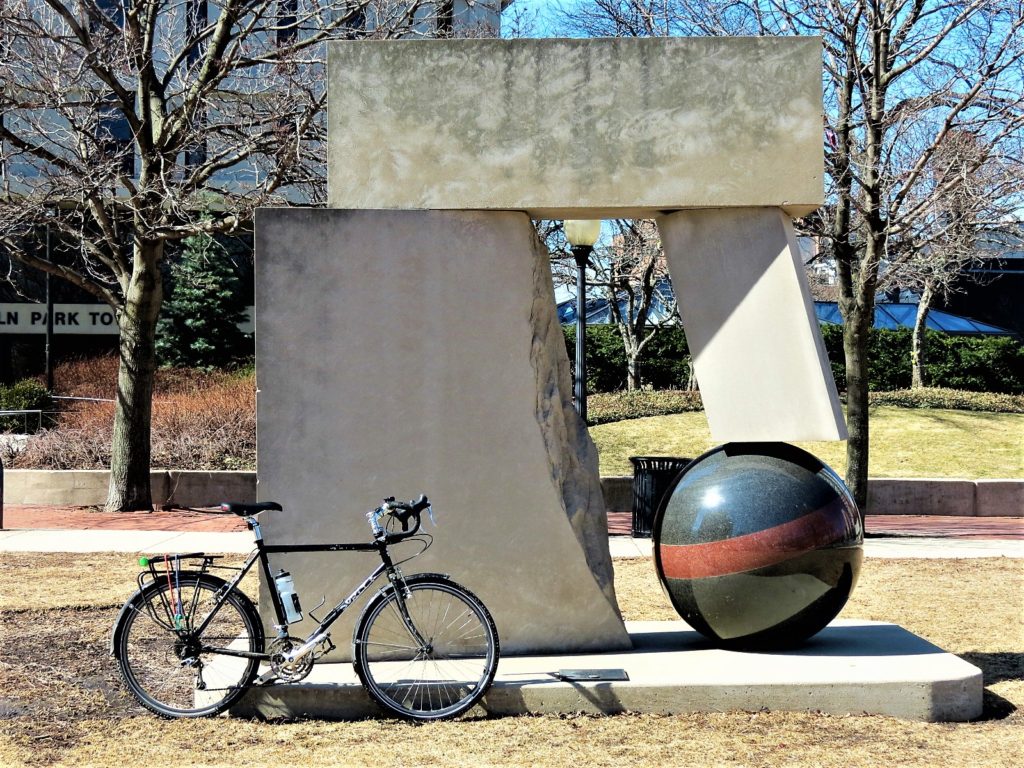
[(170, 666), (429, 655)]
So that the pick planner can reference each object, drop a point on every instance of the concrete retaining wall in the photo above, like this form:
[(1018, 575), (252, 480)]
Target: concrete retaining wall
[(180, 488), (88, 487), (903, 496)]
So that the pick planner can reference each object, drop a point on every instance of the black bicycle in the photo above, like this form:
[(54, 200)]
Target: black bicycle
[(189, 643)]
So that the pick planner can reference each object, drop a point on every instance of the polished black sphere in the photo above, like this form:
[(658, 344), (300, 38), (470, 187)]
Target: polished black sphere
[(759, 545)]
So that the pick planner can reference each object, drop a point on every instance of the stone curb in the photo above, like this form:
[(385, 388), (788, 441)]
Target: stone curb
[(188, 488)]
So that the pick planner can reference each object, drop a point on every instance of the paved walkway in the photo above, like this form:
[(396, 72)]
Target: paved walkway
[(77, 529)]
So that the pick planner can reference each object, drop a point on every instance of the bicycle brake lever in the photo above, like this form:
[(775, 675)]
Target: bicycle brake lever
[(430, 514)]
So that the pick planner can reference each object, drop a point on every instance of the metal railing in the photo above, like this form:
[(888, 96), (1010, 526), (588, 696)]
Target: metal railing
[(25, 414)]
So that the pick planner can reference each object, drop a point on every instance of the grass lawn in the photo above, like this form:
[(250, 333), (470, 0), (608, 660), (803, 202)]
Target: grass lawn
[(61, 703), (904, 443)]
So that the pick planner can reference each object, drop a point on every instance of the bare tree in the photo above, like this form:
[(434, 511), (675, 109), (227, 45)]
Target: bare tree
[(957, 232), (955, 66), (633, 275), (125, 121)]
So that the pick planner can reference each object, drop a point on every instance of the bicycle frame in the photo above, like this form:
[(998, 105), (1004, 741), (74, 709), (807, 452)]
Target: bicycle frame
[(318, 635)]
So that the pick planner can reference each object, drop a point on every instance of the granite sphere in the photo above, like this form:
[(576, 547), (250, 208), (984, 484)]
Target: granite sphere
[(758, 545)]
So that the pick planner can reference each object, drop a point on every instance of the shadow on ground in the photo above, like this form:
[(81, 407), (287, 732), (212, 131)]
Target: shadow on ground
[(997, 667)]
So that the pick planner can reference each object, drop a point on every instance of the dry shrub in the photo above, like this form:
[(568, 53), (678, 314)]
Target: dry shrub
[(200, 421), (97, 377), (93, 377), (207, 428)]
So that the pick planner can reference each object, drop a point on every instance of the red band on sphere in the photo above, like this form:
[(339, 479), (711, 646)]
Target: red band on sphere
[(820, 528)]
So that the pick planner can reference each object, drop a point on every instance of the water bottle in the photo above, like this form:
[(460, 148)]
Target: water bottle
[(286, 591)]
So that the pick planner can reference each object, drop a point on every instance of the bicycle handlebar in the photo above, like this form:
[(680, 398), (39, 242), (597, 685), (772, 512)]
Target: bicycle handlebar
[(402, 511)]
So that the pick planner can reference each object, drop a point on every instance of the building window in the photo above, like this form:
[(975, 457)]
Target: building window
[(112, 10), (114, 135), (355, 27), (196, 19), (286, 21), (445, 18)]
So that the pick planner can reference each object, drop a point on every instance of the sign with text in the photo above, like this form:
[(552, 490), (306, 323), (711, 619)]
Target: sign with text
[(79, 319)]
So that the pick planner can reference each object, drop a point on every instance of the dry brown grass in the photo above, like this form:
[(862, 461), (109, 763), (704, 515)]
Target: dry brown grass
[(60, 703)]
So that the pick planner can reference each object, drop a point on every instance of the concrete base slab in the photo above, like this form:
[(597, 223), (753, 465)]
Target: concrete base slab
[(852, 667)]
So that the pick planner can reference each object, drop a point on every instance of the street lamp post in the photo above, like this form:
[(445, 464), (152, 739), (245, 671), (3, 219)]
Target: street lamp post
[(581, 234), (49, 317)]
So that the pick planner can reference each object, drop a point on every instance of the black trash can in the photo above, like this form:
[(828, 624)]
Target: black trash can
[(651, 478)]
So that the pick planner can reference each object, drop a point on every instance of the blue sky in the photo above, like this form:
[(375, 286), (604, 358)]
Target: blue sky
[(540, 9)]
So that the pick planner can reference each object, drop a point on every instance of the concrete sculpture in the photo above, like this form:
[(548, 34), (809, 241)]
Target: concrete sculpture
[(408, 341)]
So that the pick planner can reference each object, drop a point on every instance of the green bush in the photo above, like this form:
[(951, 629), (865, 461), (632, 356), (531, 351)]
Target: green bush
[(975, 363), (972, 363), (25, 395), (951, 399), (618, 406), (664, 362), (606, 358)]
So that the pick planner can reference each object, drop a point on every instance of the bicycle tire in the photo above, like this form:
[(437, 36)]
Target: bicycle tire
[(448, 676), (163, 666)]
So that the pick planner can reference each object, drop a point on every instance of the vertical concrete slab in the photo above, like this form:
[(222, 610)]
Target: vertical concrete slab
[(750, 324), (401, 352)]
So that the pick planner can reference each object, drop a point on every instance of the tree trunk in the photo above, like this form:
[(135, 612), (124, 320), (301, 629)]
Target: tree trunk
[(632, 369), (917, 339), (856, 327), (691, 378), (133, 410)]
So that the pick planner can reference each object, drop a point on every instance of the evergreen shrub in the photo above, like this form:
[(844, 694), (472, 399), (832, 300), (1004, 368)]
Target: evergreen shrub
[(198, 326), (24, 395)]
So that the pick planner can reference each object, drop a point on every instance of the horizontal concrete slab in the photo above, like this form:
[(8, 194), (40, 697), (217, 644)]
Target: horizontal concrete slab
[(852, 667), (596, 128)]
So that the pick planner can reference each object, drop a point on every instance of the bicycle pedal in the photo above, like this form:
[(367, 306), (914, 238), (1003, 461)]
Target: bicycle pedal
[(267, 678)]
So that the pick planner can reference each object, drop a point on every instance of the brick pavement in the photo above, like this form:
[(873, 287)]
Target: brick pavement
[(88, 518), (937, 526), (619, 523)]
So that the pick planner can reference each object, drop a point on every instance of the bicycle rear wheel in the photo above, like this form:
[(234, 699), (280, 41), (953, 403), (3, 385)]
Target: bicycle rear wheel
[(433, 660), (172, 669)]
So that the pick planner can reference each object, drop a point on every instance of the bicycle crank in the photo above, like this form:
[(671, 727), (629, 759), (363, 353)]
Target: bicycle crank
[(287, 668)]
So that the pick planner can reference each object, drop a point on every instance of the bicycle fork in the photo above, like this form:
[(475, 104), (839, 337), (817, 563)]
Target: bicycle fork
[(402, 592)]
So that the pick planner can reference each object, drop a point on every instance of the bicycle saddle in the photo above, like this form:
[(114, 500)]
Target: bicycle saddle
[(246, 510)]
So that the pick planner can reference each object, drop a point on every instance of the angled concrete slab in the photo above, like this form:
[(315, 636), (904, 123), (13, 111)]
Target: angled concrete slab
[(852, 667), (596, 128), (749, 319)]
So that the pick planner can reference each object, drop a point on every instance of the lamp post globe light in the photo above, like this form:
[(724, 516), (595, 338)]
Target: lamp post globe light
[(581, 234)]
